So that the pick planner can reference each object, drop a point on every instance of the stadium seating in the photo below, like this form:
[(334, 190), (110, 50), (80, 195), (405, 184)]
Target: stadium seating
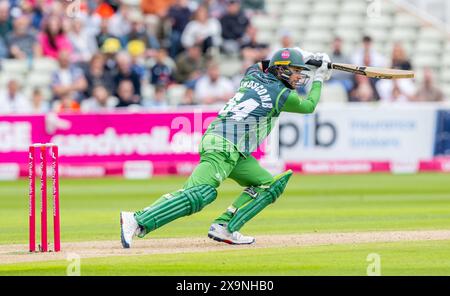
[(14, 66), (175, 93), (334, 92), (44, 64), (147, 91), (5, 78), (313, 25)]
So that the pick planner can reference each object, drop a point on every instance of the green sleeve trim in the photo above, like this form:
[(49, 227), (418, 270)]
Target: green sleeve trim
[(278, 99)]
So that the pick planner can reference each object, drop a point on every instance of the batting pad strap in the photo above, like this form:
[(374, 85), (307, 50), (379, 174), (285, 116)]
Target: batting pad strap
[(264, 198), (232, 210), (251, 191), (179, 204)]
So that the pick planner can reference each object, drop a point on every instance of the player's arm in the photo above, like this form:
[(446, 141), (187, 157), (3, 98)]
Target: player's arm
[(297, 104)]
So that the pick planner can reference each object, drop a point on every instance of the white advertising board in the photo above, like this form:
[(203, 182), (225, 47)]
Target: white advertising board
[(353, 132)]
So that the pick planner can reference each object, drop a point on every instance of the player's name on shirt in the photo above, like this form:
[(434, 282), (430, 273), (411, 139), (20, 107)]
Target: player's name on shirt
[(260, 90)]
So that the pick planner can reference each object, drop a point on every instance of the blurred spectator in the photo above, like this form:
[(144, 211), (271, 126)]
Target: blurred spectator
[(68, 79), (104, 34), (66, 24), (179, 15), (99, 101), (109, 50), (216, 8), (97, 75), (162, 72), (286, 40), (158, 7), (125, 71), (139, 42), (367, 55), (55, 8), (21, 42), (139, 66), (188, 98), (66, 103), (126, 94), (39, 105), (401, 90), (253, 5), (159, 99), (251, 49), (190, 64), (92, 20), (115, 3), (399, 58), (119, 25), (83, 43), (428, 91), (213, 88), (5, 19), (203, 31), (73, 9), (104, 10), (53, 40), (363, 90), (234, 24), (337, 56), (4, 52), (12, 100), (37, 12)]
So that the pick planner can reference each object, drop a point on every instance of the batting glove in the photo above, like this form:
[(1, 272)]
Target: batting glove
[(323, 73)]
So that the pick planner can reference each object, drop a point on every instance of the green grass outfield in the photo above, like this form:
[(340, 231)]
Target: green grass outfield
[(345, 203), (412, 258)]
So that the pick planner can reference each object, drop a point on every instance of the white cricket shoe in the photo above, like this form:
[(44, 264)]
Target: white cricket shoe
[(220, 233), (128, 228)]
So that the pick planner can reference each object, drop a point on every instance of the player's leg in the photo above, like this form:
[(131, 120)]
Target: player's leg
[(198, 191), (206, 172), (247, 173), (262, 189)]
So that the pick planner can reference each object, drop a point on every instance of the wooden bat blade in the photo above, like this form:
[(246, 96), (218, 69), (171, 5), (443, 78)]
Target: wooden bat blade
[(373, 72)]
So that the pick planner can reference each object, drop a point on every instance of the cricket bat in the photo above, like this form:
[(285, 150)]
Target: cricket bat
[(372, 72)]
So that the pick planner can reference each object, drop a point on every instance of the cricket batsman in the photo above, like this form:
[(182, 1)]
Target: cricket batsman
[(226, 147)]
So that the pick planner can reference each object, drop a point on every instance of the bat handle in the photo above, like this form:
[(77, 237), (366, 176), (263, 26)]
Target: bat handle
[(317, 63)]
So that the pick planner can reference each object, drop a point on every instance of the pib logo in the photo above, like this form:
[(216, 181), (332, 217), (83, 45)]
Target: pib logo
[(313, 132)]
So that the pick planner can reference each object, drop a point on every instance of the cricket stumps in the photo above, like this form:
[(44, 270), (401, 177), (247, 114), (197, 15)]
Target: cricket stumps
[(44, 151)]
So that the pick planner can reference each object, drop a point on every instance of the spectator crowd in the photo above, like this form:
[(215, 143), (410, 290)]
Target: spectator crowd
[(113, 53)]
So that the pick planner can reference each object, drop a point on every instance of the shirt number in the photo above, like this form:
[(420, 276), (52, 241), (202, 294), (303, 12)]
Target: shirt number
[(240, 110)]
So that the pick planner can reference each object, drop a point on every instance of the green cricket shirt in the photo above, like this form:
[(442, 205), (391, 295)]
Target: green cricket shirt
[(248, 118)]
